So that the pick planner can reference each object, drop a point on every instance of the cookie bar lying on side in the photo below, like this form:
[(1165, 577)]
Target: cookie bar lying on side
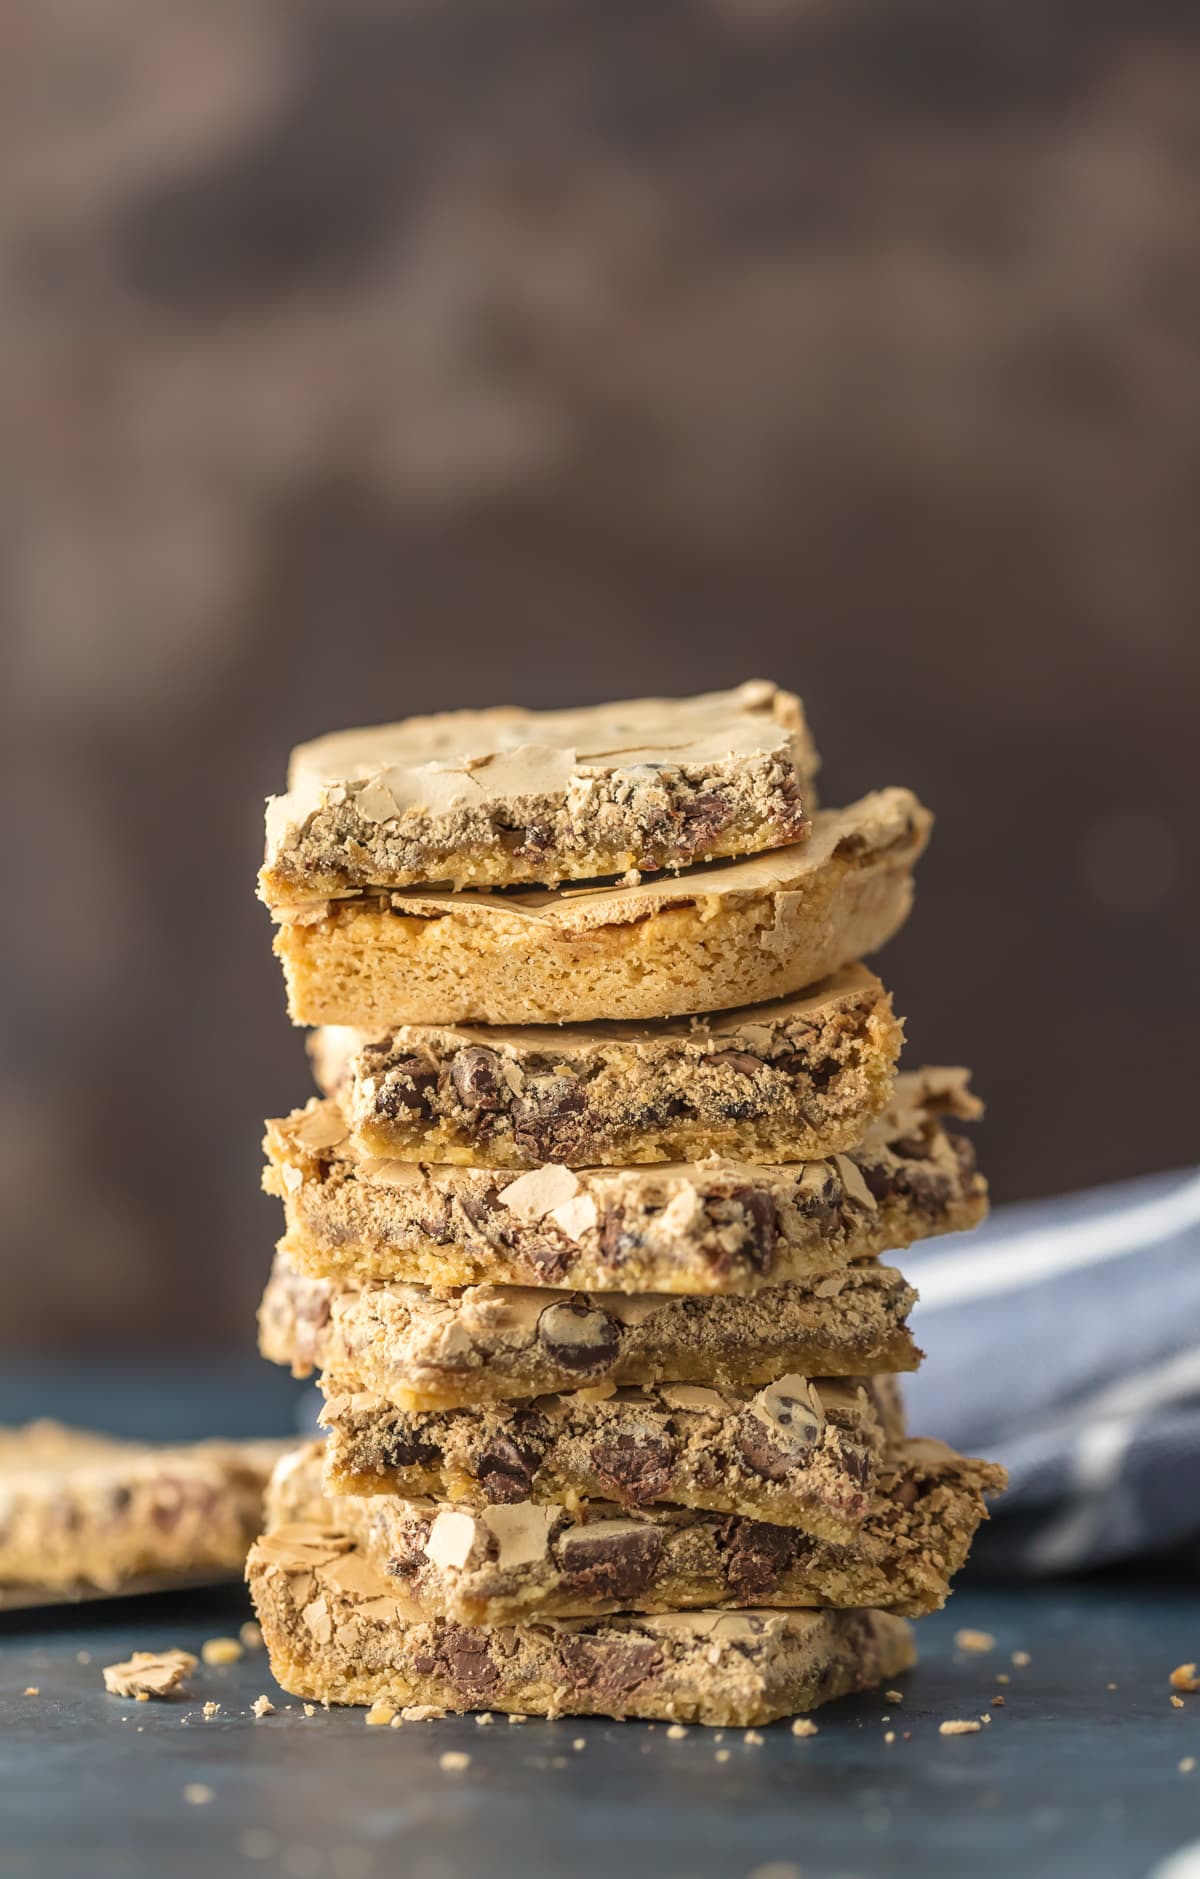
[(707, 1226), (420, 1349), (786, 1081), (491, 798), (338, 1632), (797, 1452), (725, 934), (84, 1514)]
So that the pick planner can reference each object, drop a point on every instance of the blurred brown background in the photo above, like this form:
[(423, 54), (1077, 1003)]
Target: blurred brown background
[(359, 359)]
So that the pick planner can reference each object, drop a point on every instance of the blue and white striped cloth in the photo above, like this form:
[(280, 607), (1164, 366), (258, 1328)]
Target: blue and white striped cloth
[(1063, 1339)]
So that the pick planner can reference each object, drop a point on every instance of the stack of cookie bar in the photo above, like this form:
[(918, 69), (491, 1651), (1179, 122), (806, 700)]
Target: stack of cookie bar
[(584, 1231)]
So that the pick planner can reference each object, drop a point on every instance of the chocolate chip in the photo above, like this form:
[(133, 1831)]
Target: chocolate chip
[(616, 1242), (610, 1560), (406, 1084), (505, 1470), (637, 1468), (548, 1118), (856, 1462), (579, 1337), (478, 1078), (702, 818), (755, 1555), (778, 1433)]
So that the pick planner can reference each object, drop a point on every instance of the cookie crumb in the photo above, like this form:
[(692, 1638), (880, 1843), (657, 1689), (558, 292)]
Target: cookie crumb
[(893, 1696), (83, 1657), (310, 1709), (1002, 1676), (250, 1635), (198, 1794), (1187, 1764), (1021, 1659), (422, 1712), (517, 1717), (1184, 1677), (1176, 1702), (977, 1641), (722, 1755), (263, 1706), (221, 1651), (957, 1727), (1110, 1686), (149, 1673), (578, 1743), (484, 1718), (985, 1718), (998, 1701), (802, 1726), (380, 1713), (753, 1738), (454, 1761), (676, 1732), (890, 1737), (210, 1710), (31, 1689)]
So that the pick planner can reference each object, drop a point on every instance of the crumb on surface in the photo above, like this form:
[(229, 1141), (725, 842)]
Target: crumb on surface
[(250, 1635), (518, 1717), (752, 1738), (454, 1761), (1002, 1676), (32, 1689), (222, 1651), (310, 1709), (380, 1713), (985, 1718), (676, 1732), (263, 1706), (422, 1712), (1110, 1686), (890, 1737), (198, 1794), (802, 1726), (210, 1710), (579, 1743), (1021, 1659), (1176, 1702), (149, 1673), (1187, 1764), (977, 1641), (959, 1726), (1184, 1677), (998, 1701), (484, 1718), (893, 1696), (722, 1755)]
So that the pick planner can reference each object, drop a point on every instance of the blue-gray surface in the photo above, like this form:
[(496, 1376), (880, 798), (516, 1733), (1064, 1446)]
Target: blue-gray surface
[(1071, 1779)]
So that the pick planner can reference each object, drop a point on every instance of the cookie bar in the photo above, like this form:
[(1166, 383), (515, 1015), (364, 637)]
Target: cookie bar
[(785, 1081), (505, 1563), (82, 1513), (706, 1226), (490, 798), (489, 1343), (799, 1453), (337, 1632), (721, 936)]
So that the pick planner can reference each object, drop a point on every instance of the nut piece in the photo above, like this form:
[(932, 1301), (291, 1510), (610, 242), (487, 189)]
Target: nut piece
[(580, 1337), (150, 1673)]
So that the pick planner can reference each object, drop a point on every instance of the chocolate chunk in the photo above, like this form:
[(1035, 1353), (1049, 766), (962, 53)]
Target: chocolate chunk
[(756, 1554), (611, 1559), (778, 1433), (856, 1462), (616, 1243), (398, 1450), (636, 1467), (607, 1670), (761, 1222), (702, 818), (467, 1660), (548, 1259), (478, 1078), (406, 1084), (548, 1118), (579, 1337), (505, 1469)]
